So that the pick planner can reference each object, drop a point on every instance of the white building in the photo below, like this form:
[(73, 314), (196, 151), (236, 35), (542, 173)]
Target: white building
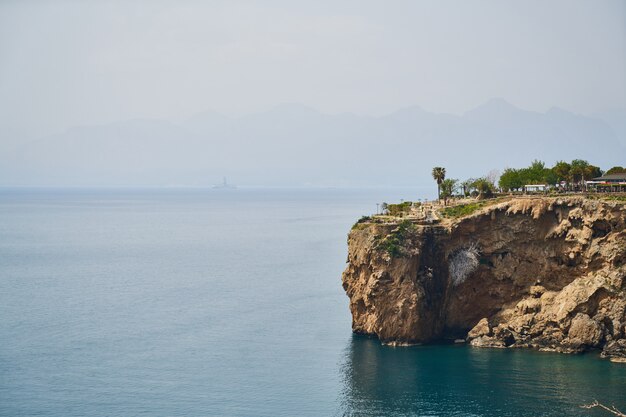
[(535, 188)]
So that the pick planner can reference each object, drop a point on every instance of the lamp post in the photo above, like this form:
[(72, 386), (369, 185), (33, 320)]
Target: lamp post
[(377, 204)]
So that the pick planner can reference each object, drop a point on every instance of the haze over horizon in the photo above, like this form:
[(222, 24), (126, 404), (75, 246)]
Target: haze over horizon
[(162, 93), (310, 148)]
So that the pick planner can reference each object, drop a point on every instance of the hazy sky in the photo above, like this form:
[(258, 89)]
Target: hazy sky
[(66, 63)]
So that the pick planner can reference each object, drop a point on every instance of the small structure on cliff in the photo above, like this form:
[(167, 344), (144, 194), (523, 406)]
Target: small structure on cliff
[(535, 188), (610, 183)]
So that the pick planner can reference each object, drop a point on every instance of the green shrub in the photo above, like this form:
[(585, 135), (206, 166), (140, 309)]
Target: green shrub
[(362, 220), (394, 241), (399, 209)]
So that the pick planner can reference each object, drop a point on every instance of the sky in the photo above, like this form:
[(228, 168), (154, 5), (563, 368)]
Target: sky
[(74, 63)]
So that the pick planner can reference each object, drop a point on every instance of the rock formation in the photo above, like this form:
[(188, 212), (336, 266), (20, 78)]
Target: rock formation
[(546, 273)]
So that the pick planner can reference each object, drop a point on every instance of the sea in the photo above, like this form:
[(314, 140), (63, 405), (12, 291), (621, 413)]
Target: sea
[(209, 302)]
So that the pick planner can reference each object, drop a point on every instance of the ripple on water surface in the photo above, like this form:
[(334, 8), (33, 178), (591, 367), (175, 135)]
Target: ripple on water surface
[(201, 303)]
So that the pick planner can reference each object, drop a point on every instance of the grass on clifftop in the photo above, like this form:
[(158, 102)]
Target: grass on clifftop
[(399, 210), (621, 198), (394, 241), (461, 210), (361, 222)]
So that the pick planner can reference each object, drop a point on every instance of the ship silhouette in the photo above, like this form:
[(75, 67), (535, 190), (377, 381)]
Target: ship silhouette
[(225, 185)]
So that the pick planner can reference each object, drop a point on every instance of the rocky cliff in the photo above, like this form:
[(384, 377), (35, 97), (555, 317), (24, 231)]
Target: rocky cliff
[(546, 273)]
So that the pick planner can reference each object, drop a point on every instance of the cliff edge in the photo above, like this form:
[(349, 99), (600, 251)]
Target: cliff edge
[(545, 273)]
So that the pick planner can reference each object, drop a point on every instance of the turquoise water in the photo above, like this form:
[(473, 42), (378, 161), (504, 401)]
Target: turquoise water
[(229, 303)]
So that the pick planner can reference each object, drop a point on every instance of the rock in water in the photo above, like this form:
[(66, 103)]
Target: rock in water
[(546, 273), (481, 329)]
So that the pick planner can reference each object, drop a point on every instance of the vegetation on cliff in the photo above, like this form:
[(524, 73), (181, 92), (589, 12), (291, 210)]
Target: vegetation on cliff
[(566, 176), (400, 209), (571, 174), (393, 243), (462, 210)]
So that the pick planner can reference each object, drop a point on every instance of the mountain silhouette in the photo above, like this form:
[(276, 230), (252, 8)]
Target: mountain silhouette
[(292, 144)]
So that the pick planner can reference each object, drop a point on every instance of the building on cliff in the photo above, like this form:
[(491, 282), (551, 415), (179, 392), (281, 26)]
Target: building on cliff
[(610, 182)]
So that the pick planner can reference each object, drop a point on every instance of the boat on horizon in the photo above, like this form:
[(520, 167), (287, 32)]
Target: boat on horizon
[(225, 185)]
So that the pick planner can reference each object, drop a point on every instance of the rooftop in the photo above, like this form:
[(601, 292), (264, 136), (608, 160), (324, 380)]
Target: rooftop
[(613, 177)]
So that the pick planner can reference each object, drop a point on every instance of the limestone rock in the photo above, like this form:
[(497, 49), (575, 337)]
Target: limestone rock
[(537, 290), (584, 332), (615, 350), (487, 341), (481, 329), (548, 273)]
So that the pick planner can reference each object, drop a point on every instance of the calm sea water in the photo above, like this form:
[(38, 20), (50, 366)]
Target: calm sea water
[(229, 303)]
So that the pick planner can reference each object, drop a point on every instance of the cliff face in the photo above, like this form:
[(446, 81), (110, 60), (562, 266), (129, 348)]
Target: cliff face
[(547, 273)]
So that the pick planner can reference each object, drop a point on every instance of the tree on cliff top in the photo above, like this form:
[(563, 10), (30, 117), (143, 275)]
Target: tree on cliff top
[(561, 169), (448, 188), (439, 174), (511, 179), (582, 170), (484, 187), (467, 186), (616, 170)]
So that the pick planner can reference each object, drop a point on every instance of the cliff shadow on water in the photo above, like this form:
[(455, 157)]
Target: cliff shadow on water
[(546, 273)]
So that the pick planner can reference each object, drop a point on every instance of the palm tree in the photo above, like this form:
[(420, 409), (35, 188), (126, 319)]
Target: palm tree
[(467, 186), (439, 174), (577, 171), (448, 188)]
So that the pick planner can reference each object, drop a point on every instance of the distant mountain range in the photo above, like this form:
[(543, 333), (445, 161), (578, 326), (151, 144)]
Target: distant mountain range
[(293, 144)]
